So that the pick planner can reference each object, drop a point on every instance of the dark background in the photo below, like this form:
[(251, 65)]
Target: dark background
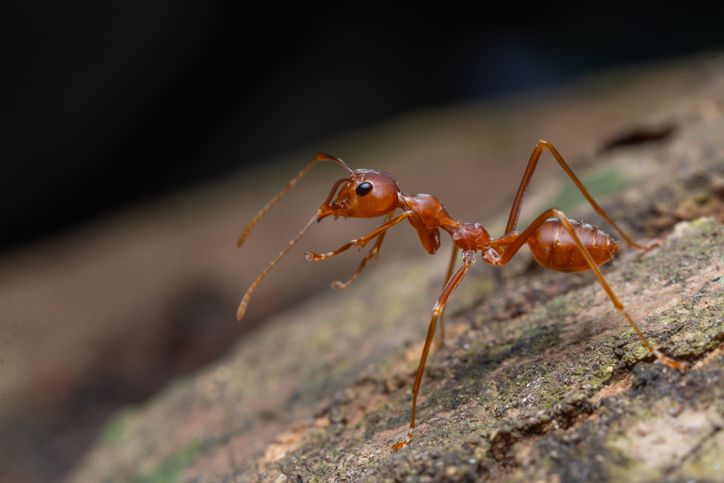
[(106, 103)]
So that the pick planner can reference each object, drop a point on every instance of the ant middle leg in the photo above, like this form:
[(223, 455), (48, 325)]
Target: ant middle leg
[(452, 284), (450, 269)]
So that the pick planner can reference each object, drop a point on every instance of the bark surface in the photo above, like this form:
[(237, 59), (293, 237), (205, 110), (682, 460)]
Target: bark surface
[(539, 379)]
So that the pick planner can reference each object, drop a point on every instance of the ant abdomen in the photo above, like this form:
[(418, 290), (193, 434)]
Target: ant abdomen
[(553, 246)]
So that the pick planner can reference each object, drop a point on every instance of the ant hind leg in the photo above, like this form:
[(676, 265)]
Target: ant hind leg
[(619, 306)]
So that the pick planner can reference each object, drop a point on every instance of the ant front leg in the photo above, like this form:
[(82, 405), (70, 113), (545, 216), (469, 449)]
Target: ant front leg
[(375, 252), (361, 242), (452, 284)]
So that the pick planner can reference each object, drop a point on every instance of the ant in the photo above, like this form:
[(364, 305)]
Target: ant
[(556, 242)]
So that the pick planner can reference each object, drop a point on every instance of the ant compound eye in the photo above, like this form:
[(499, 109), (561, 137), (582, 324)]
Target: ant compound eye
[(363, 189)]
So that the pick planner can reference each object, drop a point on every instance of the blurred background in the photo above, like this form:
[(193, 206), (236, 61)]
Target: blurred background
[(139, 138)]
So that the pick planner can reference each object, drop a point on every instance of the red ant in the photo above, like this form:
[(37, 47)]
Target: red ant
[(555, 241)]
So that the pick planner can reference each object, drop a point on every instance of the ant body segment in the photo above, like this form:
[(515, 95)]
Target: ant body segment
[(556, 242)]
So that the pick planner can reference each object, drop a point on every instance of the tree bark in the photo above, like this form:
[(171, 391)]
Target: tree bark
[(540, 378)]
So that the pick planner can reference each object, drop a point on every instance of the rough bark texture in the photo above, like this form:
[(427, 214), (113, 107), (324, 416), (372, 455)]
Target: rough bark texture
[(539, 379)]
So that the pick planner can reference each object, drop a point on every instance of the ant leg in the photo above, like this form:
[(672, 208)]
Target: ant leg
[(375, 252), (447, 279), (515, 209), (452, 284), (360, 241), (611, 295), (520, 239)]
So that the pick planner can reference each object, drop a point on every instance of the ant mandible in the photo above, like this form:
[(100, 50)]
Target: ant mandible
[(555, 241)]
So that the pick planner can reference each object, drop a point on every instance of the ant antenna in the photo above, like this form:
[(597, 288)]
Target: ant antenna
[(319, 157), (247, 295)]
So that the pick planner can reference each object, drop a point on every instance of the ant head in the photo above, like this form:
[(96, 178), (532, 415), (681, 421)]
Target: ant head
[(367, 193)]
